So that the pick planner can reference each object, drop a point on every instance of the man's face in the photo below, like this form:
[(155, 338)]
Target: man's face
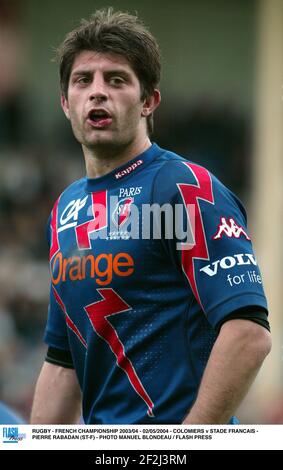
[(104, 101)]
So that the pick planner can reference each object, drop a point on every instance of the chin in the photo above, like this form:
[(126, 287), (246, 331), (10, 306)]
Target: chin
[(107, 142), (98, 140)]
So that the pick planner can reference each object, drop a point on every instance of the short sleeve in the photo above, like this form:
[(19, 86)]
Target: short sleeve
[(55, 334), (211, 245)]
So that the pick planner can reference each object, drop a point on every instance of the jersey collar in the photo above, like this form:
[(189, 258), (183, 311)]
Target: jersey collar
[(123, 172)]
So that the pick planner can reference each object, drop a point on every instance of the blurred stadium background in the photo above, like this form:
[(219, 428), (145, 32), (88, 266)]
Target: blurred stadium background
[(222, 106)]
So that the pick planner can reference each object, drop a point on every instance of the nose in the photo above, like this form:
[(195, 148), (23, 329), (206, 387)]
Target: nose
[(98, 90)]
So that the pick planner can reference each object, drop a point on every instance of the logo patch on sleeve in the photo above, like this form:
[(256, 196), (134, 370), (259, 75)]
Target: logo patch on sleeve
[(229, 228)]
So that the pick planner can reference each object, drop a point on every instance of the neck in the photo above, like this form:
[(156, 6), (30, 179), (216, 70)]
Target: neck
[(103, 159)]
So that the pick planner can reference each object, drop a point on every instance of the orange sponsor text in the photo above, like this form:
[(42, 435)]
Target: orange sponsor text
[(101, 267)]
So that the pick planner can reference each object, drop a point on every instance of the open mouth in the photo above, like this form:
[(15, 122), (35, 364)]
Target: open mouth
[(97, 115), (99, 118)]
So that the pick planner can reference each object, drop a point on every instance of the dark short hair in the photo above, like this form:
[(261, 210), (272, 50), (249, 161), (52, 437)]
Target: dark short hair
[(114, 32)]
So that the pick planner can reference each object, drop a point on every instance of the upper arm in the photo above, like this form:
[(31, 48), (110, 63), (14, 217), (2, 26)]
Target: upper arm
[(57, 398), (62, 378), (58, 382), (248, 335)]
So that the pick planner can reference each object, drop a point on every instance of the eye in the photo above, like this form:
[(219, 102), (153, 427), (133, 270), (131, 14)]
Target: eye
[(82, 80), (116, 80)]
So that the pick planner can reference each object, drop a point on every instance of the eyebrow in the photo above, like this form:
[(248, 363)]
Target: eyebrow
[(106, 72), (80, 72)]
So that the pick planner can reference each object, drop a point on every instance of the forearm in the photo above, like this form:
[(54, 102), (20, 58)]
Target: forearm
[(57, 398), (233, 364)]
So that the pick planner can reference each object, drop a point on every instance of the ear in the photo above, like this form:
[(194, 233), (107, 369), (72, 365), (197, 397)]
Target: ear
[(151, 103), (65, 106)]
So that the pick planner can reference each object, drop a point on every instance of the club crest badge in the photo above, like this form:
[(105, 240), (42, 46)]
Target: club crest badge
[(122, 211)]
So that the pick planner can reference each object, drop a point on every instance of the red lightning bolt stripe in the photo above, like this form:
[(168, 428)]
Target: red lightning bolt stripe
[(112, 304), (98, 222), (69, 321), (54, 245), (191, 194)]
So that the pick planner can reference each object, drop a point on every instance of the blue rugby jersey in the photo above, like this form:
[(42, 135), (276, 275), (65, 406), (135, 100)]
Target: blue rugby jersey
[(139, 314)]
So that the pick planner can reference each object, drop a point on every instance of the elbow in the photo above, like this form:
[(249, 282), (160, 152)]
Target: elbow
[(253, 340), (258, 344), (264, 343)]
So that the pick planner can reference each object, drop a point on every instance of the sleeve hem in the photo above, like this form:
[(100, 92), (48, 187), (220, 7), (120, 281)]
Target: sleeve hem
[(59, 363), (56, 341), (220, 311)]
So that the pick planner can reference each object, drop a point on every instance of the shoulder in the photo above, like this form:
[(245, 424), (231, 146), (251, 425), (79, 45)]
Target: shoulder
[(177, 169), (72, 192), (75, 189), (179, 175)]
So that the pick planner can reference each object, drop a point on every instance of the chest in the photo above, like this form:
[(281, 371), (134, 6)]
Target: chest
[(102, 236)]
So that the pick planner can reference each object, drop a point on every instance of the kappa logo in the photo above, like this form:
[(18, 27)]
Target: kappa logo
[(71, 213), (229, 228), (128, 170), (122, 211)]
